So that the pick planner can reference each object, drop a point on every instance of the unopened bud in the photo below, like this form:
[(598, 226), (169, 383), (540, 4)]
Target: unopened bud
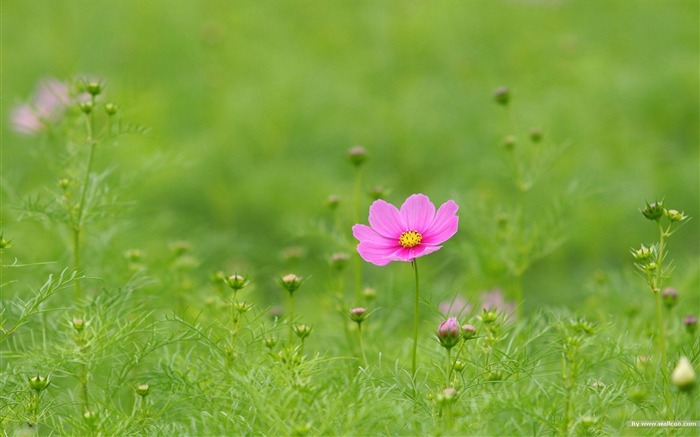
[(339, 260), (509, 142), (38, 383), (236, 282), (87, 107), (242, 307), (675, 216), (270, 342), (64, 183), (358, 315), (133, 255), (654, 210), (670, 297), (643, 253), (502, 95), (468, 331), (111, 109), (333, 201), (4, 244), (78, 324), (683, 375), (290, 282), (449, 333), (377, 192), (488, 316), (369, 293), (447, 396), (357, 155), (536, 135), (302, 331), (142, 390), (459, 365), (93, 88), (691, 323)]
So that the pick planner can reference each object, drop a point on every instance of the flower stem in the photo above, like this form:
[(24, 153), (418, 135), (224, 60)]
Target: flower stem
[(656, 288), (449, 367), (78, 223), (415, 320), (362, 345), (291, 318), (356, 210)]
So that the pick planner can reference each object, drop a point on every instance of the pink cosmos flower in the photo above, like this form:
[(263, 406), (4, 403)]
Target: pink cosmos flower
[(407, 233), (48, 104)]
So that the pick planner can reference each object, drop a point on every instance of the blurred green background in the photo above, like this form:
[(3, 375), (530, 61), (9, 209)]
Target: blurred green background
[(252, 106)]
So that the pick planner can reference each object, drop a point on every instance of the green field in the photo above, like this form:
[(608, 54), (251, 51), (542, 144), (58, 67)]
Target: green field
[(233, 125)]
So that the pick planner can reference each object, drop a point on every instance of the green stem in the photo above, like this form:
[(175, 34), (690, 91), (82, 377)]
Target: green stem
[(291, 318), (78, 224), (656, 288), (449, 367), (84, 387), (362, 345), (356, 207), (415, 320)]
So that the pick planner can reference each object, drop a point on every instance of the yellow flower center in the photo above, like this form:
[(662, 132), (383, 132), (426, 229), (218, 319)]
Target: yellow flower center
[(410, 239)]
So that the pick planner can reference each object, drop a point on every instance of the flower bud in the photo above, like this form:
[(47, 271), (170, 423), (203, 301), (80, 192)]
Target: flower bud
[(691, 323), (93, 88), (181, 247), (670, 297), (377, 192), (142, 390), (64, 183), (90, 416), (270, 342), (459, 365), (358, 315), (242, 307), (509, 142), (468, 331), (683, 375), (675, 216), (449, 333), (133, 255), (447, 396), (111, 109), (654, 210), (536, 134), (643, 253), (369, 293), (78, 324), (488, 316), (339, 260), (502, 95), (236, 282), (357, 155), (302, 331), (5, 244), (87, 107), (290, 282), (333, 201), (598, 385), (38, 383)]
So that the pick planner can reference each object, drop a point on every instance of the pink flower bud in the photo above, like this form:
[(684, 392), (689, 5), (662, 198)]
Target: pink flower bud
[(449, 333)]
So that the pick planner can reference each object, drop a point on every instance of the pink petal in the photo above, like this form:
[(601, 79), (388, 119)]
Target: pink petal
[(444, 226), (385, 219), (24, 121), (377, 255), (409, 254), (417, 212)]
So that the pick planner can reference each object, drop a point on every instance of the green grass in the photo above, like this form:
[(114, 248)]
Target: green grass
[(237, 120)]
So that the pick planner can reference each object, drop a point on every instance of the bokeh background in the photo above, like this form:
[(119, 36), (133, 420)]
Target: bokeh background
[(252, 105)]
